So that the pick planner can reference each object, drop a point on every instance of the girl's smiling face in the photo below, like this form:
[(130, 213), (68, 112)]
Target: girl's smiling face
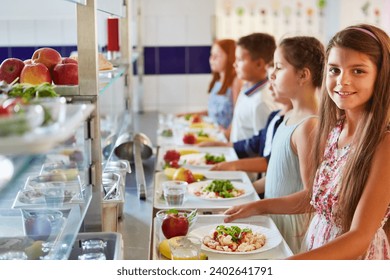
[(350, 78)]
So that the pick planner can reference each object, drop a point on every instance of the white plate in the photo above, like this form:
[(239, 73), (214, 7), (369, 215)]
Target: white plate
[(196, 187), (229, 153), (196, 160), (273, 237), (194, 202)]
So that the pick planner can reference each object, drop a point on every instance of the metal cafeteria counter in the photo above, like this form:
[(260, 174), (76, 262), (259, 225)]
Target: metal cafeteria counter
[(136, 223)]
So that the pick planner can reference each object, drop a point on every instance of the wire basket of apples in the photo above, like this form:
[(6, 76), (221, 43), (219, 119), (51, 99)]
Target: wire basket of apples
[(176, 222)]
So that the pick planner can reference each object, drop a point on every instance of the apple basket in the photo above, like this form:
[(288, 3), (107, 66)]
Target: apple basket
[(191, 214)]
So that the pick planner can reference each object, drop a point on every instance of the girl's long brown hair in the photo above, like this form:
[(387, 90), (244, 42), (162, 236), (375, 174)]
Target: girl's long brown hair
[(229, 47), (373, 123)]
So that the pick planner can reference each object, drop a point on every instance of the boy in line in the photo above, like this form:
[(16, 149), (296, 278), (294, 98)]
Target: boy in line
[(254, 53)]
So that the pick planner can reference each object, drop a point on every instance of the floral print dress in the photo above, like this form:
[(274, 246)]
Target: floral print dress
[(323, 227)]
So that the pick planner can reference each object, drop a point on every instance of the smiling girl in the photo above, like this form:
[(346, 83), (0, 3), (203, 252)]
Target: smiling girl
[(351, 192)]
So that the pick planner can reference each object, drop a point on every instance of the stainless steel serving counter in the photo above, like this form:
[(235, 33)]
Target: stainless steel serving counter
[(136, 223)]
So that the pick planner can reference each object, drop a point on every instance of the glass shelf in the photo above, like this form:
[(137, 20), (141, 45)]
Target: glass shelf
[(81, 2), (58, 236), (107, 78), (38, 233)]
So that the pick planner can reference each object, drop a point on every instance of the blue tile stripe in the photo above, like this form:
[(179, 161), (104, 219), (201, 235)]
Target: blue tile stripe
[(24, 53), (176, 60), (158, 60)]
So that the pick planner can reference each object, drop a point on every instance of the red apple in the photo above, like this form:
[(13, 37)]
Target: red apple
[(35, 74), (174, 225), (66, 74), (48, 56), (10, 69), (189, 138), (69, 60), (196, 118), (174, 164), (171, 155)]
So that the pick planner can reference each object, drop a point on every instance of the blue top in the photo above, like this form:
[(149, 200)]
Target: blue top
[(284, 178), (220, 107), (255, 145)]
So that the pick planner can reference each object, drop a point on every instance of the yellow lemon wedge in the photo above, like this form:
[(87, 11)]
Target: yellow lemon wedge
[(169, 172), (34, 251), (164, 250)]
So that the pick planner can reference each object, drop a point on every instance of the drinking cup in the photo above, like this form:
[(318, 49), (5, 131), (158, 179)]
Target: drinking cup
[(174, 192), (185, 247)]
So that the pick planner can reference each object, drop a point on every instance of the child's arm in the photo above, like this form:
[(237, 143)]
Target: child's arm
[(259, 185), (368, 216), (257, 164)]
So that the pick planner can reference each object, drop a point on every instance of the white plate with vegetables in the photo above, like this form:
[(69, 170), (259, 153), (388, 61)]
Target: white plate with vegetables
[(202, 159), (220, 190), (236, 238)]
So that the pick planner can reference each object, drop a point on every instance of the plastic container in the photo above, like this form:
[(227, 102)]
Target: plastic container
[(112, 205), (121, 167), (113, 250)]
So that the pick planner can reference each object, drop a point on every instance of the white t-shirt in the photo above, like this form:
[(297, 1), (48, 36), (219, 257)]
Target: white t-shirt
[(251, 112)]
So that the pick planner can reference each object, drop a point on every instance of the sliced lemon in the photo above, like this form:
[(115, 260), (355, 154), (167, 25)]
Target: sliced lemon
[(164, 250), (169, 172)]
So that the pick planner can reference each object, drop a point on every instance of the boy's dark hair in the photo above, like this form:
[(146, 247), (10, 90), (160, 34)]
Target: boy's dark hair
[(259, 45)]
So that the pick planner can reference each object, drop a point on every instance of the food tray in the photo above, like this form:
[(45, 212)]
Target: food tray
[(181, 126), (195, 202), (68, 170), (229, 153), (281, 251), (32, 194)]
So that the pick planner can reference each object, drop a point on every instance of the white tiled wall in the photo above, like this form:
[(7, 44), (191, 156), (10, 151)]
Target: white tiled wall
[(176, 23), (164, 23), (42, 23), (174, 93)]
